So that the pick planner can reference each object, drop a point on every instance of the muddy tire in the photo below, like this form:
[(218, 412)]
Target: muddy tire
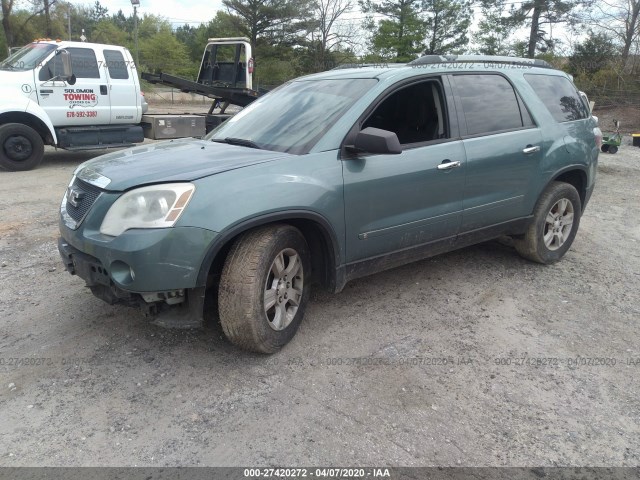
[(556, 219), (264, 288), (21, 147)]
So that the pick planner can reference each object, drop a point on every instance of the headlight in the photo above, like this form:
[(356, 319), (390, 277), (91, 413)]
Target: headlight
[(157, 206)]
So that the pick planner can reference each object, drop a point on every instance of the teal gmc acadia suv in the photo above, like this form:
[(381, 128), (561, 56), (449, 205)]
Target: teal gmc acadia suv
[(329, 178)]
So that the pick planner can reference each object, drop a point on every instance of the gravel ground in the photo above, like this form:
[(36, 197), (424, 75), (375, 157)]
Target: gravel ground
[(474, 358)]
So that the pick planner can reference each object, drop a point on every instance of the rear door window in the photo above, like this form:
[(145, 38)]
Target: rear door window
[(116, 65), (559, 96), (490, 104)]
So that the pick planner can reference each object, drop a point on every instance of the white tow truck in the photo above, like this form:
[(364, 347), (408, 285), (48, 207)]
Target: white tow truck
[(81, 96), (70, 95)]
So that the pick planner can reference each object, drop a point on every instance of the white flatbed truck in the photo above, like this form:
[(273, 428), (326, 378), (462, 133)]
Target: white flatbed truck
[(81, 96)]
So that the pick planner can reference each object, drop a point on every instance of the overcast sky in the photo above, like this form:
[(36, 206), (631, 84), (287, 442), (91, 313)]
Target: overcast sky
[(177, 12)]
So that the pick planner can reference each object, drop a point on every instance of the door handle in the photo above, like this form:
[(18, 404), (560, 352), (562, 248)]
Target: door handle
[(529, 149), (103, 90), (448, 165)]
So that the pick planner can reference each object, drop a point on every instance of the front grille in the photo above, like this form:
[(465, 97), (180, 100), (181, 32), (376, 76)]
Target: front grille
[(83, 194)]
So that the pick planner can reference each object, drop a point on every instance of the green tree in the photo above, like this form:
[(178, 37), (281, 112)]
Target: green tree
[(222, 25), (273, 21), (122, 22), (25, 28), (79, 16), (163, 52), (105, 31), (7, 10), (4, 49), (400, 35), (494, 29), (447, 24), (98, 12), (186, 33), (41, 9), (592, 55), (196, 38), (47, 18), (150, 24), (537, 15)]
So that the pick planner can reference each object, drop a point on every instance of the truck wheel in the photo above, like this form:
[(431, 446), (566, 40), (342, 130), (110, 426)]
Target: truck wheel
[(556, 219), (264, 288), (21, 147)]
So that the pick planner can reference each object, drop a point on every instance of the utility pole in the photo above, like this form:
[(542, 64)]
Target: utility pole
[(69, 18), (136, 4)]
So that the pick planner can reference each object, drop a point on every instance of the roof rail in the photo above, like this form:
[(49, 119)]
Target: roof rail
[(434, 59), (345, 66)]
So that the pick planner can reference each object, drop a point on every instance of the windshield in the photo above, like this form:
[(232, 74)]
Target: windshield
[(293, 117), (28, 57)]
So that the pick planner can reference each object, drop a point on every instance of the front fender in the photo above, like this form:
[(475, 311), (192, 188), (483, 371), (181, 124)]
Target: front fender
[(306, 188), (37, 111), (13, 102), (296, 182), (20, 104)]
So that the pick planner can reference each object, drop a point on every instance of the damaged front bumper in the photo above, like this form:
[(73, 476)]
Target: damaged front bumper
[(187, 303)]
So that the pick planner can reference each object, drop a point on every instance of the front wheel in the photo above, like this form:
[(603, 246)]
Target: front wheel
[(264, 288), (613, 149), (556, 219), (21, 147)]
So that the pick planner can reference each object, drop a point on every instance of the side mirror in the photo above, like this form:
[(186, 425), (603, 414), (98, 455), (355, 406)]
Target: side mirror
[(376, 140), (67, 71)]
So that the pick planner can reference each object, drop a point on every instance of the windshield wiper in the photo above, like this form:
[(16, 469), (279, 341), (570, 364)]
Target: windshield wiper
[(243, 142)]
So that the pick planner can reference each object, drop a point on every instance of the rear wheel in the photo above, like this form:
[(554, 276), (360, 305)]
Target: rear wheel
[(264, 288), (21, 147), (556, 219), (604, 148)]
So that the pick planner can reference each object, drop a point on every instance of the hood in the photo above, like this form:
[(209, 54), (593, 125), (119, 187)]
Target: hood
[(171, 161), (14, 82)]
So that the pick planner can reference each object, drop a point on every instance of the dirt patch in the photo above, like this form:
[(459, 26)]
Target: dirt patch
[(608, 170), (10, 227), (629, 118)]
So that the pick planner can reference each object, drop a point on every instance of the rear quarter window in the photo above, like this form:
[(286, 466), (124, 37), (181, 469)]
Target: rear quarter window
[(559, 96)]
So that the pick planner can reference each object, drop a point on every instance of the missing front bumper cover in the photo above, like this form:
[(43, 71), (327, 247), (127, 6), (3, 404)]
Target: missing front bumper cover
[(181, 308)]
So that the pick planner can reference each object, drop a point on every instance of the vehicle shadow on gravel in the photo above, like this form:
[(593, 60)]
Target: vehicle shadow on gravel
[(126, 326), (324, 312)]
